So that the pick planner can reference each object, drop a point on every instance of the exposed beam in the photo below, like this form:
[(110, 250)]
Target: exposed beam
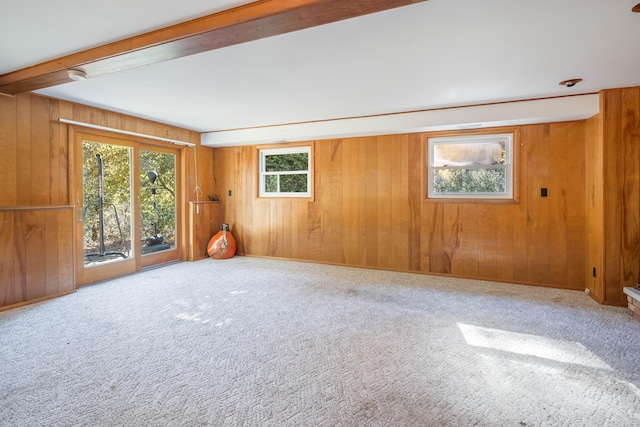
[(257, 20)]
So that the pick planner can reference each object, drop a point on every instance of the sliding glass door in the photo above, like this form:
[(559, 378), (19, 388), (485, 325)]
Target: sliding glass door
[(126, 194)]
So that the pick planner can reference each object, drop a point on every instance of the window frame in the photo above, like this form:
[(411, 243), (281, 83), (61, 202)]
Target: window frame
[(263, 152), (511, 156)]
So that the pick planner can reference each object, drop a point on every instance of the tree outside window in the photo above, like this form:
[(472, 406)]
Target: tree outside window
[(285, 172), (471, 167)]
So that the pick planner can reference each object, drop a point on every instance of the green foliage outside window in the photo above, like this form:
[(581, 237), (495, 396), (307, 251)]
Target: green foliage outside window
[(278, 177), (478, 166), (117, 194), (164, 165), (469, 181), (293, 183), (271, 183), (287, 162)]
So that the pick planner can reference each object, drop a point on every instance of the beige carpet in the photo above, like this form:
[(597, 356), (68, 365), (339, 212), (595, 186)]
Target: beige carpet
[(256, 342)]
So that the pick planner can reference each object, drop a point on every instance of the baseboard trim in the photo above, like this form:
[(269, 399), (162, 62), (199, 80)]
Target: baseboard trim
[(35, 300)]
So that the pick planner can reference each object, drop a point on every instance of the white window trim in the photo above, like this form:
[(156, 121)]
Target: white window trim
[(508, 166), (263, 173)]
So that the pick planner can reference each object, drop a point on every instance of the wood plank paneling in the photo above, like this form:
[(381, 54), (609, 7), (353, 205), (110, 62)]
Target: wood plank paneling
[(575, 205), (383, 198), (290, 216), (37, 258), (630, 135), (51, 249), (369, 210), (24, 153), (415, 198), (40, 160), (560, 168), (8, 260), (469, 261), (371, 229), (244, 227), (439, 260), (66, 166), (314, 218), (400, 202), (336, 216), (350, 206), (594, 167), (532, 182), (618, 209), (452, 236), (526, 145), (613, 182), (505, 243), (276, 236), (66, 274), (203, 225), (55, 196), (362, 203), (35, 252), (544, 223), (323, 198), (486, 233), (9, 151)]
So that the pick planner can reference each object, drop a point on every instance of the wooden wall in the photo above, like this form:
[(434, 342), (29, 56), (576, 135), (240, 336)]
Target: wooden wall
[(36, 205), (594, 156), (369, 210), (37, 253), (618, 145)]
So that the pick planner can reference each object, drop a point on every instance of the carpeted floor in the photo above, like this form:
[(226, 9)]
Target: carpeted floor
[(258, 342)]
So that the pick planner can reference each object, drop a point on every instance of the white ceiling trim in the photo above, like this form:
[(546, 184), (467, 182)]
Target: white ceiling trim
[(548, 110)]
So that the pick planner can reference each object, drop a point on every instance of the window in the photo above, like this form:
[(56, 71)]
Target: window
[(473, 167), (285, 172)]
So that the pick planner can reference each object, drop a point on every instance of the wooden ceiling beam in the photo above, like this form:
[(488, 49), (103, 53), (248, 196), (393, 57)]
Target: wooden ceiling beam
[(257, 20)]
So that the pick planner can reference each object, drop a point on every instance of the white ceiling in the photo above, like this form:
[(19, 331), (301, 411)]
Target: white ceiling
[(439, 53), (34, 31)]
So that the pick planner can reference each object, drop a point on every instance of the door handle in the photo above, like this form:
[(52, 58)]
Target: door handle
[(78, 211)]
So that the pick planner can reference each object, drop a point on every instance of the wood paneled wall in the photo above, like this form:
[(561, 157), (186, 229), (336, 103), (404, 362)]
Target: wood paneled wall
[(594, 155), (617, 146), (36, 164), (369, 210), (206, 221), (34, 152), (37, 253)]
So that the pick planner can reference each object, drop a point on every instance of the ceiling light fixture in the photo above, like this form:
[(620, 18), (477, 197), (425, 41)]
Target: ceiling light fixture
[(636, 8), (77, 75), (570, 82)]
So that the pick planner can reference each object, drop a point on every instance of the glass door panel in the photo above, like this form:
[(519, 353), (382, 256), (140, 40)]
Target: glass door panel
[(107, 207), (157, 201)]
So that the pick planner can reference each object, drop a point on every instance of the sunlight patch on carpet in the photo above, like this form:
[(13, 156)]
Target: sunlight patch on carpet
[(193, 317), (531, 345)]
